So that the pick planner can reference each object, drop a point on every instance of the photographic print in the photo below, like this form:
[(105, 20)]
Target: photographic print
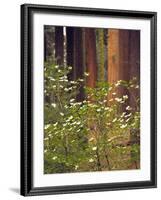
[(91, 99), (88, 99)]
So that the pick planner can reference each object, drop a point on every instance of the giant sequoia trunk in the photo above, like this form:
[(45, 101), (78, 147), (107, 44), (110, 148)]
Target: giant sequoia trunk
[(78, 59), (123, 55), (124, 64), (75, 55), (134, 57), (118, 57), (70, 50), (90, 47), (59, 45)]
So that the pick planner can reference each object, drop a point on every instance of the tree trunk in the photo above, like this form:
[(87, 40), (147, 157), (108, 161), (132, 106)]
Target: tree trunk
[(134, 57), (118, 57), (113, 55), (48, 42), (70, 50), (124, 64), (91, 66), (59, 45), (78, 59)]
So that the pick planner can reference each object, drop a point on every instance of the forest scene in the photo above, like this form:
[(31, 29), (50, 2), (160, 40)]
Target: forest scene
[(91, 99)]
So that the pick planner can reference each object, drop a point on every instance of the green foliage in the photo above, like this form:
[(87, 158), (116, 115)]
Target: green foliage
[(91, 135)]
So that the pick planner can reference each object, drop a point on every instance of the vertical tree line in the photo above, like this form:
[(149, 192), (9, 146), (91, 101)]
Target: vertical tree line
[(97, 51)]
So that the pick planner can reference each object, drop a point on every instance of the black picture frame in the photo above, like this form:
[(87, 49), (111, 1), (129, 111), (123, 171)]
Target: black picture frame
[(27, 189)]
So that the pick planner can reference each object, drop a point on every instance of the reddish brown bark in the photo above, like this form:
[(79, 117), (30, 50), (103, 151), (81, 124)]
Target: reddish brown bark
[(90, 47), (118, 57), (124, 64), (113, 55), (123, 54)]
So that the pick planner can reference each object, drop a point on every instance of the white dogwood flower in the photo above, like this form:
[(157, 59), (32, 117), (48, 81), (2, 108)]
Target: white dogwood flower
[(53, 105)]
